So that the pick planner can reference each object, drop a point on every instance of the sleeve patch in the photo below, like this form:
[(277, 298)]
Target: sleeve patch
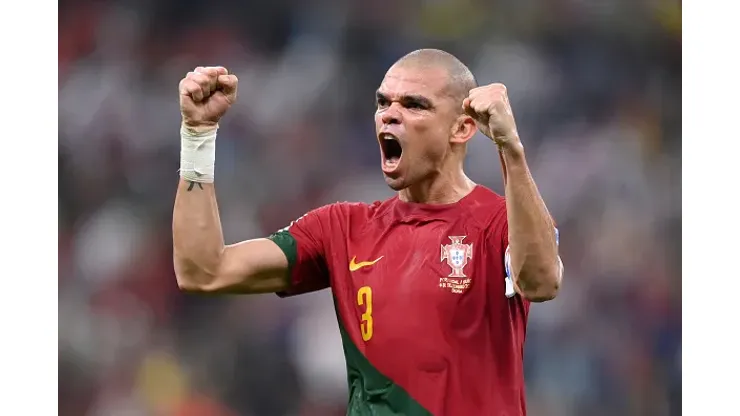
[(508, 280)]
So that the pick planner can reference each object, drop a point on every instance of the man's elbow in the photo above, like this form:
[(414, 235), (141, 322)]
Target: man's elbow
[(191, 278), (191, 282), (542, 287), (542, 293), (189, 286)]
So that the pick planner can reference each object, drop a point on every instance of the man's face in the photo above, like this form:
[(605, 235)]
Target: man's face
[(413, 121)]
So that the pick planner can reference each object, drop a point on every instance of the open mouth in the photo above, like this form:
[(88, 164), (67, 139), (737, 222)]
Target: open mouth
[(392, 151)]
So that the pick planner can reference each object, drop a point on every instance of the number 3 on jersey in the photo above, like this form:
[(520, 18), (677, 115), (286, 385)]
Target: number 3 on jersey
[(365, 297)]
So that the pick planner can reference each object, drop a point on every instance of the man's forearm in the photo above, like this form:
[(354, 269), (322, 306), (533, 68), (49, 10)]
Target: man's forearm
[(197, 235), (535, 265)]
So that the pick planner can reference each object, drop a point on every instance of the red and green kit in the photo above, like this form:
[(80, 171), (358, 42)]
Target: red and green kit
[(429, 319)]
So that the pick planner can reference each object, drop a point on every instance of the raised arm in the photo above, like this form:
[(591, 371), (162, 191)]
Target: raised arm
[(203, 263), (534, 264)]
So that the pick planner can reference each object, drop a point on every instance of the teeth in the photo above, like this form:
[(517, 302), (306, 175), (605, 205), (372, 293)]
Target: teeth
[(388, 136)]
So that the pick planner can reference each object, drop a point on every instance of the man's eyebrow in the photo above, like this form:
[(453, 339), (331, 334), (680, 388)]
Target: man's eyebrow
[(417, 99), (407, 98)]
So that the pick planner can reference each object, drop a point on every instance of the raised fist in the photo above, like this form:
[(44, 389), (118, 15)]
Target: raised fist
[(489, 107), (205, 96)]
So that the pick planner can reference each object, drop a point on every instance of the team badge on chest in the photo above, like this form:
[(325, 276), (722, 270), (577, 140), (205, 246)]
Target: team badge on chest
[(457, 255)]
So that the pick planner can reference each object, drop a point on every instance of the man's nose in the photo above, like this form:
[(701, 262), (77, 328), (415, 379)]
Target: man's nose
[(391, 115)]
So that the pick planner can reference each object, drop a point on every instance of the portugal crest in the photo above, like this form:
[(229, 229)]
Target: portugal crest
[(457, 255)]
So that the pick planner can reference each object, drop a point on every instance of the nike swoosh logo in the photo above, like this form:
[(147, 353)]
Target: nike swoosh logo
[(357, 266)]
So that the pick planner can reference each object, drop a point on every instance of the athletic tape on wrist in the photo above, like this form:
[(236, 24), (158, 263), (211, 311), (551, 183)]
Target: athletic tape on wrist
[(197, 155)]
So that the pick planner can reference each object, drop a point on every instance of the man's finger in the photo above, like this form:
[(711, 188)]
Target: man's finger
[(468, 109), (476, 109), (466, 103), (207, 83), (214, 71), (228, 85), (192, 89)]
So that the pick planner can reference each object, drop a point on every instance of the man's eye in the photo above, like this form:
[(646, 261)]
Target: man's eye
[(382, 102)]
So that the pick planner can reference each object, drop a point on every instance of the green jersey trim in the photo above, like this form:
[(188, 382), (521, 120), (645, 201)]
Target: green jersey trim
[(287, 243), (370, 392)]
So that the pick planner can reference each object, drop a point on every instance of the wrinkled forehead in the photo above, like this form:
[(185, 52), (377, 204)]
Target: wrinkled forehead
[(429, 82)]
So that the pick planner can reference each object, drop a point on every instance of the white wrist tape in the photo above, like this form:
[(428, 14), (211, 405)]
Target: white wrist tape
[(197, 155)]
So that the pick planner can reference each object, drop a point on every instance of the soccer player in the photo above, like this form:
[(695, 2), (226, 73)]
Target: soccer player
[(431, 287)]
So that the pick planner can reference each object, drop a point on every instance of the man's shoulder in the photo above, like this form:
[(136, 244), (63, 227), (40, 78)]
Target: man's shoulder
[(354, 209), (486, 194), (486, 206)]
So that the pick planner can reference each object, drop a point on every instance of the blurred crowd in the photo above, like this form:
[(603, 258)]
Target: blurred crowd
[(595, 86)]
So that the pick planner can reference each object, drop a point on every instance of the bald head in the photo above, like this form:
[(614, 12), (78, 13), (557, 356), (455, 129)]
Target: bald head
[(461, 80)]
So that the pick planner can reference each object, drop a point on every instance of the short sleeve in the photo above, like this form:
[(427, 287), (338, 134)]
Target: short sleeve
[(304, 245)]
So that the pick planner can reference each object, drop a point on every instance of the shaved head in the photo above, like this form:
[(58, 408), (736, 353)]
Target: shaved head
[(461, 80)]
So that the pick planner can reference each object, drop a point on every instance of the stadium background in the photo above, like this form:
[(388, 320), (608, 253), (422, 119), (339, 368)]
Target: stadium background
[(596, 88)]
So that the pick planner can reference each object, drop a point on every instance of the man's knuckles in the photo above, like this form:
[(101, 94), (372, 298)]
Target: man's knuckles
[(204, 80), (213, 71)]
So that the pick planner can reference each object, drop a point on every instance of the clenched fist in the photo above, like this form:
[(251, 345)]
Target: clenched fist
[(205, 96), (489, 107)]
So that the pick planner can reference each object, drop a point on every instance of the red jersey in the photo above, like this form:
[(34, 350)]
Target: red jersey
[(429, 319)]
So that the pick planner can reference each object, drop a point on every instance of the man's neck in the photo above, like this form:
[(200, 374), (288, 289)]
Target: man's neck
[(439, 189)]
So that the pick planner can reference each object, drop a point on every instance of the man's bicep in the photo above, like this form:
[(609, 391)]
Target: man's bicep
[(252, 266), (289, 262)]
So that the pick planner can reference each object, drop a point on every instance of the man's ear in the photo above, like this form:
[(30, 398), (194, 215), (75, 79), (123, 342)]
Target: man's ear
[(463, 129)]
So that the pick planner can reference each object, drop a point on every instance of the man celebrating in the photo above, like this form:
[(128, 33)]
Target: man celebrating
[(432, 287)]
